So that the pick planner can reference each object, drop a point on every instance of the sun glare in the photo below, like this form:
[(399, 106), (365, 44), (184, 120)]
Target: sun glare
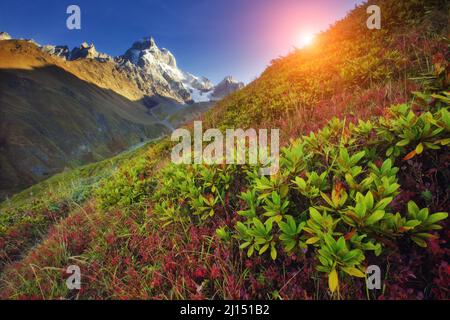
[(305, 39)]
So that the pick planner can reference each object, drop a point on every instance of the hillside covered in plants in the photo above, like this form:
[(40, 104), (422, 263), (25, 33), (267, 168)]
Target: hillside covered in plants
[(364, 180)]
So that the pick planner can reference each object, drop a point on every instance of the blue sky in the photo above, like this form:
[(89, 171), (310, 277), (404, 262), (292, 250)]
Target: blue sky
[(211, 38)]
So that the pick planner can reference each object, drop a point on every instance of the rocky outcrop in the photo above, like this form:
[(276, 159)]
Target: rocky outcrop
[(225, 87), (59, 51), (156, 69), (86, 51), (145, 51)]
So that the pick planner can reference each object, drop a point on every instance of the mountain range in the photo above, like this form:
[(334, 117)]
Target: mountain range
[(154, 70), (62, 108)]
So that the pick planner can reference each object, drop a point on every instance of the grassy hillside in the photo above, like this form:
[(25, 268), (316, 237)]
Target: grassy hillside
[(349, 71), (365, 122), (26, 217)]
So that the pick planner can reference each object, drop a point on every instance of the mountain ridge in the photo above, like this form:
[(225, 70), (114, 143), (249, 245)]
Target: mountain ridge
[(154, 70)]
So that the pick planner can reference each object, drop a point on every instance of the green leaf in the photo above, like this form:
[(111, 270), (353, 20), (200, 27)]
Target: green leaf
[(357, 157), (333, 280), (273, 252), (269, 225), (285, 228), (315, 215), (412, 223), (444, 142), (244, 245), (341, 244), (387, 164), (264, 248), (327, 199), (350, 255), (403, 143), (290, 246), (422, 215), (382, 204), (419, 148), (312, 240), (435, 217), (374, 217), (413, 209), (419, 241), (354, 272), (368, 200), (259, 225), (360, 209), (250, 251)]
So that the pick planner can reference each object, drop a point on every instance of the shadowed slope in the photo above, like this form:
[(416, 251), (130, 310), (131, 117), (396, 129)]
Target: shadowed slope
[(50, 119)]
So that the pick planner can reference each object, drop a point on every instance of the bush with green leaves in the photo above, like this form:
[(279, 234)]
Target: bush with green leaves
[(332, 196), (194, 193), (130, 185), (333, 192)]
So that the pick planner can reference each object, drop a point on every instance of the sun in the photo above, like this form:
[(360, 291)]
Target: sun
[(305, 39)]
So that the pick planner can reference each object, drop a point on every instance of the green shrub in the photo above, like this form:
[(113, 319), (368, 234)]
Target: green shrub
[(332, 195)]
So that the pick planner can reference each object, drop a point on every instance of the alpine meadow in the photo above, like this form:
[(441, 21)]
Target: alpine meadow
[(355, 206)]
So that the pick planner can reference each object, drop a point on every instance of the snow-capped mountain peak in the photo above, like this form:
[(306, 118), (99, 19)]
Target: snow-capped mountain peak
[(153, 69), (161, 66), (146, 51)]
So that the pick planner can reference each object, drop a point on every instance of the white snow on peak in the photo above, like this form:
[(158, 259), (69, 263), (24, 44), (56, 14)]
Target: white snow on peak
[(162, 66)]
